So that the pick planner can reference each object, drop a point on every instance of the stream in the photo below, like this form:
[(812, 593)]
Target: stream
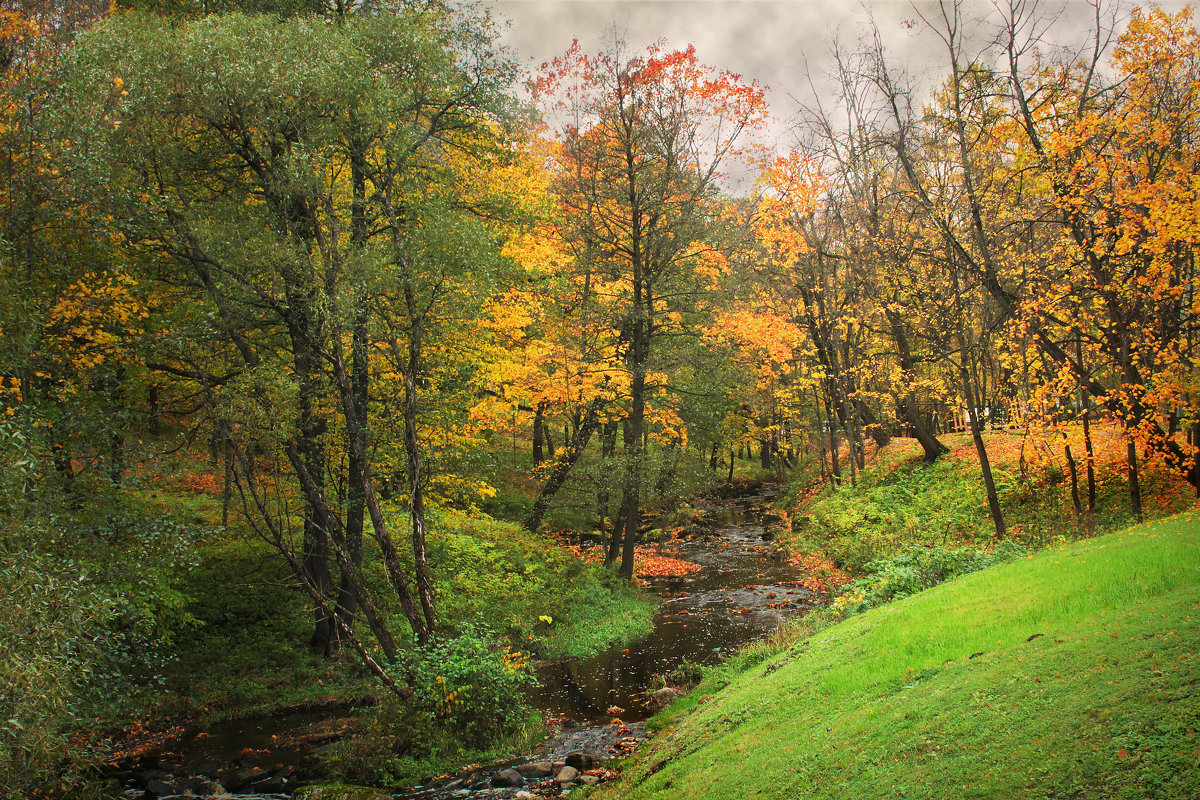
[(598, 706), (741, 593)]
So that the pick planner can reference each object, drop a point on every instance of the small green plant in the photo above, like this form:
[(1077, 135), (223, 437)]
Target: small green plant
[(686, 675)]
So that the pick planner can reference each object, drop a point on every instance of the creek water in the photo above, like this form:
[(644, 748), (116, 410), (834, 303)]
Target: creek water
[(742, 592)]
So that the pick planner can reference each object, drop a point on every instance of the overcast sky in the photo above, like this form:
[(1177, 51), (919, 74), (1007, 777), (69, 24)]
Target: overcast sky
[(779, 43)]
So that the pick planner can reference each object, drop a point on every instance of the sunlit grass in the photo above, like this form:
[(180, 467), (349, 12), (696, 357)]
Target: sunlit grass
[(953, 692)]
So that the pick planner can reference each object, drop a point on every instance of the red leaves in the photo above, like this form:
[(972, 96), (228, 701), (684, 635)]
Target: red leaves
[(648, 562), (823, 575)]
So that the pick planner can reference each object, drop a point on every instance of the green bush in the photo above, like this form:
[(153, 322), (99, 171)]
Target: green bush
[(915, 570), (467, 704), (52, 637), (468, 683)]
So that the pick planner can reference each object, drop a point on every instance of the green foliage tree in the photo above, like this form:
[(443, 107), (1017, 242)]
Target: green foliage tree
[(305, 183)]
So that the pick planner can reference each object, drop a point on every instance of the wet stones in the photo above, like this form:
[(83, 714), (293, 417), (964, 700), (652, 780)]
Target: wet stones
[(207, 780), (159, 788), (508, 778), (536, 769), (582, 761)]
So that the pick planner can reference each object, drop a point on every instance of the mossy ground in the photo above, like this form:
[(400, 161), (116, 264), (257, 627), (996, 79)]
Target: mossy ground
[(1072, 673)]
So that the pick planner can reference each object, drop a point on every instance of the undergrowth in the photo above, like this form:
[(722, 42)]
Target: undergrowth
[(899, 503)]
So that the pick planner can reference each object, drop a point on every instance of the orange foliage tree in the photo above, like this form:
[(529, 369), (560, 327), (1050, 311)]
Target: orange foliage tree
[(644, 140)]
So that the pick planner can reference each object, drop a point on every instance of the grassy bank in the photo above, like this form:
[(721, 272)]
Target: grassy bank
[(898, 502), (1072, 673)]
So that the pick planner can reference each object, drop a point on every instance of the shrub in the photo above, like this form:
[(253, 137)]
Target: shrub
[(470, 684), (467, 704), (915, 570)]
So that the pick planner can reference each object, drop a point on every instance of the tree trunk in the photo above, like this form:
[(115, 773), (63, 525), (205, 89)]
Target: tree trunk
[(1090, 454), (1135, 489), (539, 417), (356, 468), (416, 476), (227, 487), (870, 423), (303, 330), (635, 433), (906, 403), (154, 414), (1074, 479), (973, 415), (631, 492), (608, 448), (562, 467), (825, 473)]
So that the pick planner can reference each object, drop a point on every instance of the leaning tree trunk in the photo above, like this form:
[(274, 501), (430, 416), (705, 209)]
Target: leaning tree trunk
[(906, 403), (303, 329), (416, 476), (973, 416), (562, 466)]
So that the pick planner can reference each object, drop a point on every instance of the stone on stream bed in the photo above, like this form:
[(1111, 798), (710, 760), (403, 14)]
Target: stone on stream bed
[(583, 761), (339, 792), (536, 769), (507, 778)]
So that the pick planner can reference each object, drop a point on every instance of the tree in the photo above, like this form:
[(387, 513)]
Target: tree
[(306, 181), (643, 140), (1120, 155)]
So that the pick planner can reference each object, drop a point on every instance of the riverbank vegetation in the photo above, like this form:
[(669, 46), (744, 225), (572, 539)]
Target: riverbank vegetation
[(315, 329)]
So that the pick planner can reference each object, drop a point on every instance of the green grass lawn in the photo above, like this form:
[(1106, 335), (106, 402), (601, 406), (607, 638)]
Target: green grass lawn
[(1070, 674)]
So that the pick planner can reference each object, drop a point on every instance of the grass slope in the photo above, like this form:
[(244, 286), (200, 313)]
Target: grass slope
[(1104, 703)]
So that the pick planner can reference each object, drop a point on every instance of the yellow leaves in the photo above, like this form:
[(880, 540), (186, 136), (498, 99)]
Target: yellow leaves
[(711, 266), (508, 314), (96, 319), (766, 340), (515, 660), (666, 426), (788, 192), (539, 251)]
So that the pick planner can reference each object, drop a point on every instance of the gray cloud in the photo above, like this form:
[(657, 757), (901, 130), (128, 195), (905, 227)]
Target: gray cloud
[(783, 44)]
